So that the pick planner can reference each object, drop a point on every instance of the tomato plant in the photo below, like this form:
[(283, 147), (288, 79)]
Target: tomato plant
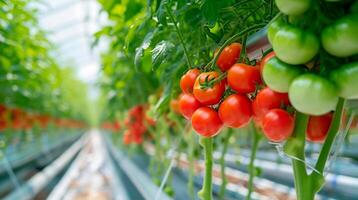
[(235, 111), (208, 89), (278, 125), (318, 126), (188, 104), (188, 79), (229, 56), (243, 78), (206, 122)]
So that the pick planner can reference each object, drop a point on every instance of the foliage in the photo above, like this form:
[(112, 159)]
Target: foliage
[(30, 76)]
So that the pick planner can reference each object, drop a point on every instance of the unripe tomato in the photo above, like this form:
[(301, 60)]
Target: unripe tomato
[(206, 122), (318, 127), (293, 7), (267, 100), (278, 125), (313, 94), (188, 79), (294, 45), (235, 111), (243, 78), (273, 28), (229, 56), (188, 104), (346, 80), (341, 38), (265, 59), (279, 75), (211, 95)]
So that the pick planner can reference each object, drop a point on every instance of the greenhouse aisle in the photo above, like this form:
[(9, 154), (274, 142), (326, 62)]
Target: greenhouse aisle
[(91, 176)]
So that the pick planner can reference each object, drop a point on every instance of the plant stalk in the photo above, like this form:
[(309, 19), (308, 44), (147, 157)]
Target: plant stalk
[(252, 170), (222, 164), (206, 192)]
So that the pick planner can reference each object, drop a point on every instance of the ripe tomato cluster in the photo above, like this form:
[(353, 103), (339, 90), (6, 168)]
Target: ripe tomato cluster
[(18, 119), (137, 123), (237, 94), (212, 100)]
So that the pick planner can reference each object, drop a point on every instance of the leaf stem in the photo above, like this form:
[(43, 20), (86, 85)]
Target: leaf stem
[(180, 35)]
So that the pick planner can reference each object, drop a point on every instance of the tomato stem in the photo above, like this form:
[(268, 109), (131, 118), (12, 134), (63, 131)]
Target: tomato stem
[(222, 164), (252, 170), (308, 185), (180, 35), (206, 192), (326, 148)]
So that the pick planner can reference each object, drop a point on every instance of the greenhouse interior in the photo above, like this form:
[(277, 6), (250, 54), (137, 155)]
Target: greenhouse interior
[(179, 99)]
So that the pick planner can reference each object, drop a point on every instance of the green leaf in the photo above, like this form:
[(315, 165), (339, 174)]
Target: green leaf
[(140, 50), (160, 52), (210, 11)]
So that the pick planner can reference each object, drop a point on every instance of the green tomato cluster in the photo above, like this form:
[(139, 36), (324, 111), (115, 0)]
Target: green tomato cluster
[(311, 91)]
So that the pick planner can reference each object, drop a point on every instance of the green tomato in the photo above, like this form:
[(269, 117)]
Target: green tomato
[(293, 7), (279, 75), (294, 45), (346, 80), (341, 38), (312, 94), (273, 28)]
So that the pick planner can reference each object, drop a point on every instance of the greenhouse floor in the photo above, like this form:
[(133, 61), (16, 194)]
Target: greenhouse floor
[(90, 176)]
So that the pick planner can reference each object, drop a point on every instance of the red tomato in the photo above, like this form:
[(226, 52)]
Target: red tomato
[(235, 111), (229, 56), (265, 59), (174, 105), (127, 137), (266, 100), (188, 79), (318, 127), (208, 96), (243, 78), (206, 122), (188, 104), (278, 125)]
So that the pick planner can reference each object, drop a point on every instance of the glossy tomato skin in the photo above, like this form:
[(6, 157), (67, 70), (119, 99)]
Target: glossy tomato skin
[(206, 122), (293, 7), (341, 38), (279, 75), (188, 79), (318, 127), (208, 96), (294, 45), (265, 59), (273, 28), (312, 94), (229, 56), (235, 111), (278, 125), (346, 80), (267, 100), (243, 78), (188, 104)]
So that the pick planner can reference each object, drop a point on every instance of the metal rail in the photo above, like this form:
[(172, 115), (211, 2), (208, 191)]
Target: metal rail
[(41, 179)]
